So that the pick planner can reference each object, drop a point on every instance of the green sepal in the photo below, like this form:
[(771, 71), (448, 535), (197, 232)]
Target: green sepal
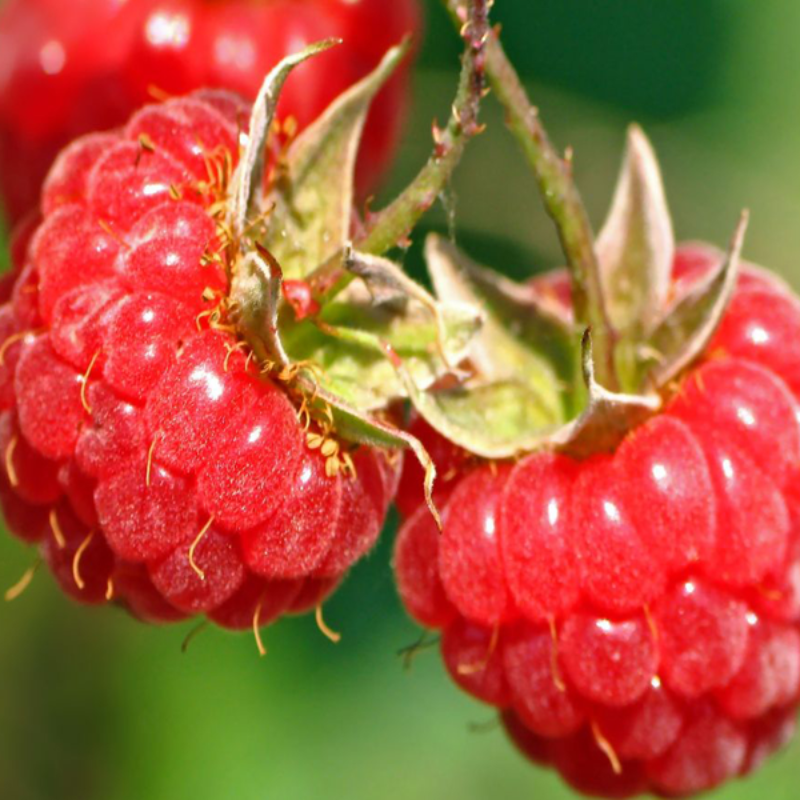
[(524, 340), (636, 246), (494, 420), (499, 420), (384, 319), (311, 203), (246, 184), (687, 328)]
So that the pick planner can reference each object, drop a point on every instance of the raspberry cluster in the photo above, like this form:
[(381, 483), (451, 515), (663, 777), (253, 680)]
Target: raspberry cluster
[(151, 458), (634, 615)]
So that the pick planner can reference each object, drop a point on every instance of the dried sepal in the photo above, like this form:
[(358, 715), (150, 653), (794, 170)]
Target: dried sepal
[(312, 200), (339, 353), (246, 186), (608, 416), (255, 302), (686, 329), (636, 246)]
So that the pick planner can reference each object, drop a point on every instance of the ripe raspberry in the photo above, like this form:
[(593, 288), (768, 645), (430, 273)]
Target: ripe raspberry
[(146, 452), (92, 76), (635, 615)]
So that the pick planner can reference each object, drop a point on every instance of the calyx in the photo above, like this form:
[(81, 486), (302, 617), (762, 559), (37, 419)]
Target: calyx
[(533, 383)]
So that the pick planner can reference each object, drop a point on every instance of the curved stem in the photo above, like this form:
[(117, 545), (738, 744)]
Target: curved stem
[(395, 222), (561, 199), (386, 228)]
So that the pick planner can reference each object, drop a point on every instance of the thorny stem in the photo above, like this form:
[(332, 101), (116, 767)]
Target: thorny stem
[(561, 199), (394, 223)]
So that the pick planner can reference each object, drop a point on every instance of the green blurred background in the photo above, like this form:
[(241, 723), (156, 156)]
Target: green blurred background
[(94, 706)]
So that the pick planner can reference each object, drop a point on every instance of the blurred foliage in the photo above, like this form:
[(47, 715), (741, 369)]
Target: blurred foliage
[(590, 48), (94, 706)]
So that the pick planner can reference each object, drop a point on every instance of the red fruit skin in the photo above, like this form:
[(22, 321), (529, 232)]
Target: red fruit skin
[(586, 768), (92, 76), (257, 603), (538, 692), (131, 586), (294, 541), (645, 729), (469, 552), (610, 662), (474, 658), (312, 594), (450, 461), (363, 503), (142, 451), (26, 522), (619, 572), (710, 750), (645, 603), (82, 564), (217, 574), (674, 506), (538, 549), (416, 565)]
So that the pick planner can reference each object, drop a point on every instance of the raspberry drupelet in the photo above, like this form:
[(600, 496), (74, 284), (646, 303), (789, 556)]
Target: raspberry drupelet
[(151, 457), (635, 614)]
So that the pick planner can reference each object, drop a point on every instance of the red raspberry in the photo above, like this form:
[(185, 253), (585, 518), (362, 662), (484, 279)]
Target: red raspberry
[(90, 63), (636, 614), (450, 462), (144, 451)]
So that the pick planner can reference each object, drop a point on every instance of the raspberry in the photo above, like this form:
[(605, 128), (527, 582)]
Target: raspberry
[(92, 75), (146, 451), (295, 539), (464, 651), (635, 613), (416, 565), (449, 459), (82, 562), (471, 571)]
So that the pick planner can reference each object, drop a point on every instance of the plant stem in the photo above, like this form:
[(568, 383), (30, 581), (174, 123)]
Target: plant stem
[(561, 199), (395, 222), (390, 226)]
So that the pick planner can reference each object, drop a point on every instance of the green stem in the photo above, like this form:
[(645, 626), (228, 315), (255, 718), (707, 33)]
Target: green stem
[(561, 199), (386, 228)]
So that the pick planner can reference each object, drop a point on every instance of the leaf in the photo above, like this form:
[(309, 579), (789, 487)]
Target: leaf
[(313, 198), (686, 330), (608, 416), (248, 178), (524, 339), (636, 246)]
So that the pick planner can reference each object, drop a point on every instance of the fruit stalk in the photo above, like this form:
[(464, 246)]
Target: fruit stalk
[(393, 224), (561, 198)]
